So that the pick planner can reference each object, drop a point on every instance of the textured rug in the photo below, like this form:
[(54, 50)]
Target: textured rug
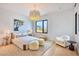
[(12, 50)]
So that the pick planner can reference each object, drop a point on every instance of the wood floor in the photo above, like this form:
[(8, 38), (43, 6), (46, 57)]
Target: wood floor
[(60, 51), (54, 50)]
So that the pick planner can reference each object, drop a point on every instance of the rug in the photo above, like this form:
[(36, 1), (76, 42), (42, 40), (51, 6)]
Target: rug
[(12, 50)]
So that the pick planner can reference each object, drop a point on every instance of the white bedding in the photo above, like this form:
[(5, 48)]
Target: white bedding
[(20, 41), (27, 39)]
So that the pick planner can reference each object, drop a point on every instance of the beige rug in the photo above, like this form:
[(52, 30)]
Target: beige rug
[(12, 50)]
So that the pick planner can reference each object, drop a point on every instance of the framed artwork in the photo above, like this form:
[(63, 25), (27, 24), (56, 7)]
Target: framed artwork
[(41, 26), (17, 24)]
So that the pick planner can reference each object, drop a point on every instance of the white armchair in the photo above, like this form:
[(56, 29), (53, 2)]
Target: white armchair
[(62, 40)]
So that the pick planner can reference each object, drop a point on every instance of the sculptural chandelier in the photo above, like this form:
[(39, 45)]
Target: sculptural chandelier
[(34, 14)]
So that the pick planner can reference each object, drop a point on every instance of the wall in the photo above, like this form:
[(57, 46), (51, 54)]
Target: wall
[(76, 9), (60, 23), (7, 19)]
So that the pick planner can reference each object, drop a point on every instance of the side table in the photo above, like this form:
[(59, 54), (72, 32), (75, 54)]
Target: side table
[(71, 46)]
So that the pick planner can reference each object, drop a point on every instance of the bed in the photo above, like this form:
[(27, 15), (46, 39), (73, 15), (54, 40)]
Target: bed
[(22, 42)]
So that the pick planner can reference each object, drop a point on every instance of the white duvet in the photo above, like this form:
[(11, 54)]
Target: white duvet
[(23, 41), (27, 39)]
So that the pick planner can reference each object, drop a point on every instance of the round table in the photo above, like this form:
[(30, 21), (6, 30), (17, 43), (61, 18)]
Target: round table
[(71, 46)]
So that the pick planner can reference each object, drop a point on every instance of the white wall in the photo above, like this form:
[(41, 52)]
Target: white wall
[(7, 19), (60, 23)]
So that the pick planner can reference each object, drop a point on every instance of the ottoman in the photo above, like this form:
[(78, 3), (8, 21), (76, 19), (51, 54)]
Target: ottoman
[(41, 42), (34, 45)]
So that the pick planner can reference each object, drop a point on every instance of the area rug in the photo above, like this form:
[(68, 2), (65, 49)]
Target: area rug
[(12, 50)]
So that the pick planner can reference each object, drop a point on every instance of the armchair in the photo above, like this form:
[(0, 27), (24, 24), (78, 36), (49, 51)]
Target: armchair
[(62, 40)]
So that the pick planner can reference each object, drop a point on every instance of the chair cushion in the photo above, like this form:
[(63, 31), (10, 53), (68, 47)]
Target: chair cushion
[(59, 39)]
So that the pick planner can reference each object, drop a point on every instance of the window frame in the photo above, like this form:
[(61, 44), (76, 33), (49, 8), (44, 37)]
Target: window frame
[(42, 26)]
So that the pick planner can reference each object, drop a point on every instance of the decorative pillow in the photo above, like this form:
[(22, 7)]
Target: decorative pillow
[(18, 34)]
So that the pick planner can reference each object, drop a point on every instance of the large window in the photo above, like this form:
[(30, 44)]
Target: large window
[(42, 26)]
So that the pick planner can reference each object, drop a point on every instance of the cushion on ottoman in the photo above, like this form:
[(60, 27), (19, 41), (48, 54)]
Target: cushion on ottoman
[(34, 45), (41, 41)]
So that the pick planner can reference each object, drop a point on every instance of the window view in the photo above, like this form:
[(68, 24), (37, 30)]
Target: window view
[(41, 26)]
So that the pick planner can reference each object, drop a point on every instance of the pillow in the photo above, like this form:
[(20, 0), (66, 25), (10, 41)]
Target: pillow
[(19, 34)]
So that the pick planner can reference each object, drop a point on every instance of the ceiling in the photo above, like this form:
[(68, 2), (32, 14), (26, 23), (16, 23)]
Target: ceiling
[(44, 8)]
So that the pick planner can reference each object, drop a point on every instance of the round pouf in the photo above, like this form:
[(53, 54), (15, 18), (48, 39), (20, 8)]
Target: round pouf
[(41, 42), (34, 45)]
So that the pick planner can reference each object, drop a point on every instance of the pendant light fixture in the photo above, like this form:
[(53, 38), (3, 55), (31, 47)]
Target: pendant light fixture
[(34, 14)]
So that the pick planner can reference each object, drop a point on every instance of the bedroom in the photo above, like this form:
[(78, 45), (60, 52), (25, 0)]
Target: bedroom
[(38, 22)]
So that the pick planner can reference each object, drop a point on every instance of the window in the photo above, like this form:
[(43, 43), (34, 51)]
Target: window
[(42, 26)]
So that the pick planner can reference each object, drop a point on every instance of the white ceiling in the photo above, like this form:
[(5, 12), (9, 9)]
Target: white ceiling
[(44, 8)]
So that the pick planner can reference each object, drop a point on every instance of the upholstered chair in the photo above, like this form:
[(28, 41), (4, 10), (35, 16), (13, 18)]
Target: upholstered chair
[(62, 40)]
